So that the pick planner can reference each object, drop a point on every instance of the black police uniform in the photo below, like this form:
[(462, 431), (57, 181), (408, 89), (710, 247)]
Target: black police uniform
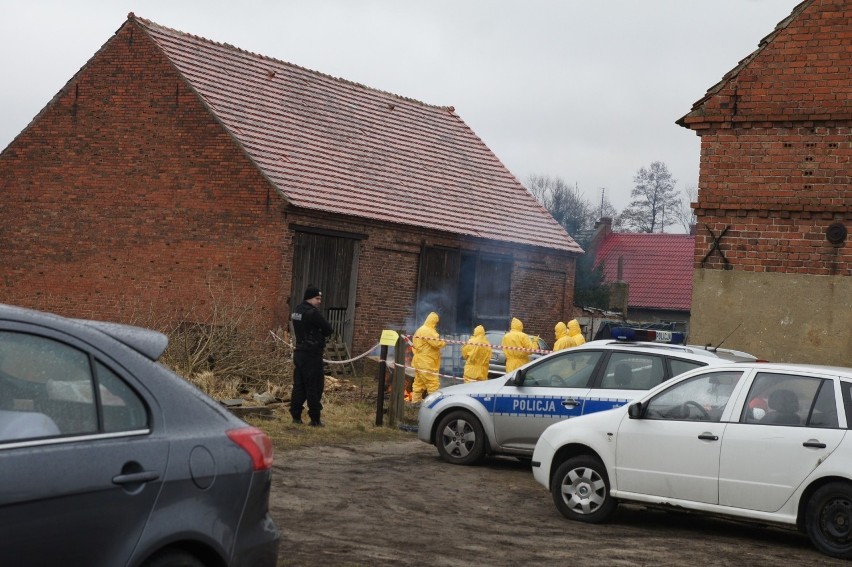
[(311, 329)]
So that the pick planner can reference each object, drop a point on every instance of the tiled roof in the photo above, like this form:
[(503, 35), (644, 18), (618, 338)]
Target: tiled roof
[(658, 268), (333, 145)]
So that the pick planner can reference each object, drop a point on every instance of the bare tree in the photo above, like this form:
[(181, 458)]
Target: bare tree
[(578, 216), (655, 200), (685, 214), (565, 203)]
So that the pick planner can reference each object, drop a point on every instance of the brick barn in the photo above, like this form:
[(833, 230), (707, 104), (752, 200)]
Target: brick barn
[(172, 172), (772, 257)]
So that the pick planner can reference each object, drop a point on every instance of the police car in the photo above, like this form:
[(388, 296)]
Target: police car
[(507, 415)]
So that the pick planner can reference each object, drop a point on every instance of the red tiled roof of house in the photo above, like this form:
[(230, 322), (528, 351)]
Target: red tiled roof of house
[(658, 268), (333, 145)]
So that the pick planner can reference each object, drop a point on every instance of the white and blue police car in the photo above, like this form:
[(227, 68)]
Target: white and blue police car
[(507, 415)]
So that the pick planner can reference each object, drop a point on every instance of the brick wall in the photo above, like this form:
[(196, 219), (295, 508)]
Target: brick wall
[(123, 197), (776, 149), (389, 260), (776, 167), (776, 190), (124, 200)]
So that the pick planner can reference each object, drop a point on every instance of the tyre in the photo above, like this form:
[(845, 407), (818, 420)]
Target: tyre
[(580, 490), (173, 558), (460, 438), (828, 519)]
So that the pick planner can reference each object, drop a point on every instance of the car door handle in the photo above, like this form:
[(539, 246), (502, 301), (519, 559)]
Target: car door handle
[(813, 444), (570, 403), (708, 437), (136, 478)]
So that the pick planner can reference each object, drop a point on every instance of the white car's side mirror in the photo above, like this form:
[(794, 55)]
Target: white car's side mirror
[(634, 411)]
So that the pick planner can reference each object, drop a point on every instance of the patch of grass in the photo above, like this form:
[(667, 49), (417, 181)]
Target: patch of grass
[(346, 421), (349, 414)]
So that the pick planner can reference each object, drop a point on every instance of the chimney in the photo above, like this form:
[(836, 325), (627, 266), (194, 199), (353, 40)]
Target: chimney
[(603, 226), (619, 291)]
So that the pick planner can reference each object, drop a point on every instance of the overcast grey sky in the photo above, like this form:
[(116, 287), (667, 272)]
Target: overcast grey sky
[(583, 90)]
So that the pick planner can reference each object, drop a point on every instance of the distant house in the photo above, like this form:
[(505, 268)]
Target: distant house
[(656, 268), (772, 256), (173, 173)]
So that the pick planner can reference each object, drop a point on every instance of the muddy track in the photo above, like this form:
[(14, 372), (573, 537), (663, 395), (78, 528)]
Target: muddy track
[(397, 503)]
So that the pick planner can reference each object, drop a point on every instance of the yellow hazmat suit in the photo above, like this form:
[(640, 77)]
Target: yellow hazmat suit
[(427, 346), (477, 354), (563, 339), (575, 333), (516, 337)]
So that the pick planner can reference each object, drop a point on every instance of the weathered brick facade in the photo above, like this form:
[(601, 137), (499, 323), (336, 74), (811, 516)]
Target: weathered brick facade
[(389, 258), (125, 199), (776, 166), (779, 189), (123, 193)]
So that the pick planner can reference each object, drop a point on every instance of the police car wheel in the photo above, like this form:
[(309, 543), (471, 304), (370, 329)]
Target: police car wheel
[(460, 438), (580, 490)]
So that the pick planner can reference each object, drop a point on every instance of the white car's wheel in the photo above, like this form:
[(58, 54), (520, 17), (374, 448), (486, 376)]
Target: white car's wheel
[(580, 490), (460, 438), (829, 519)]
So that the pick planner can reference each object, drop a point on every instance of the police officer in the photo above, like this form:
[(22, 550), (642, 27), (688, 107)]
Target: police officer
[(311, 329)]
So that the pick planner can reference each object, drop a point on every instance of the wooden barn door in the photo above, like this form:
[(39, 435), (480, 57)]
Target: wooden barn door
[(329, 263)]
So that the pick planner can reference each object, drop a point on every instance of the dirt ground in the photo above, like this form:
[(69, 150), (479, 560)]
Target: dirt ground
[(398, 503)]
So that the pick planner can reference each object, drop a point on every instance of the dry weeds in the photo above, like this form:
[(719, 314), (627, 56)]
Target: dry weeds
[(228, 356)]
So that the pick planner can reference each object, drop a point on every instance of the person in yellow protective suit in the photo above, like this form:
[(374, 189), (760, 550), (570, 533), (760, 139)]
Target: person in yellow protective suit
[(427, 345), (517, 338), (563, 339), (477, 354), (575, 333)]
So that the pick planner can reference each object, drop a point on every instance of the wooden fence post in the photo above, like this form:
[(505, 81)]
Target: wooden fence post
[(380, 378), (397, 401)]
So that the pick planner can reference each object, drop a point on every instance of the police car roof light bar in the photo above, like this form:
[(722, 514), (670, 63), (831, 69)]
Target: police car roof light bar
[(648, 335)]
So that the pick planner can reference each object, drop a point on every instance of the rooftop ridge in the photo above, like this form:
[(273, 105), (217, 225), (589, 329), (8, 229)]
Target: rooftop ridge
[(152, 25), (744, 62)]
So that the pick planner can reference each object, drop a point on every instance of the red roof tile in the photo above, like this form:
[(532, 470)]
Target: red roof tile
[(658, 268), (333, 145)]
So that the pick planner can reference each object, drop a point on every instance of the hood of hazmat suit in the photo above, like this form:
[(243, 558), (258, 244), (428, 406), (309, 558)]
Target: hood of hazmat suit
[(427, 345), (575, 333)]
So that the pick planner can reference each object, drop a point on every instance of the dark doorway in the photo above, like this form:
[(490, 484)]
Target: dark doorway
[(438, 285), (493, 292), (465, 289), (330, 263)]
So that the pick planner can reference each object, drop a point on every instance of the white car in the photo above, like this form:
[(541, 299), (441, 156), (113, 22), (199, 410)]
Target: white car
[(506, 415), (754, 441)]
